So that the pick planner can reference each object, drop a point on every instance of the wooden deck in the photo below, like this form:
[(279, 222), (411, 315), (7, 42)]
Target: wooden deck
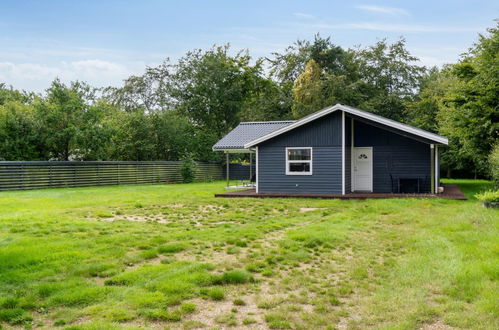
[(450, 192)]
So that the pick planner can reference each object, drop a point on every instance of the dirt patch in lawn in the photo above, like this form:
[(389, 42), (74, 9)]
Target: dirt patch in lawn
[(309, 209)]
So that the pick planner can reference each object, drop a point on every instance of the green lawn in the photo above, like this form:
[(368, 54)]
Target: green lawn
[(174, 256)]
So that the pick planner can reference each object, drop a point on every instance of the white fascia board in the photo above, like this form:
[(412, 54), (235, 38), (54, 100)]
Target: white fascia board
[(234, 151), (353, 111), (395, 124)]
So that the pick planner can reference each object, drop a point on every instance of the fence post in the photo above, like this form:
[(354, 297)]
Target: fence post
[(50, 175)]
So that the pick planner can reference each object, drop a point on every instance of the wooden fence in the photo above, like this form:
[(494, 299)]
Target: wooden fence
[(52, 174)]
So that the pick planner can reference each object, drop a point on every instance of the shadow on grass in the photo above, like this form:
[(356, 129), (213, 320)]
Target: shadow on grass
[(470, 187)]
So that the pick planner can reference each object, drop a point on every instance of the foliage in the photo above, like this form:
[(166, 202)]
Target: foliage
[(380, 79), (494, 164), (188, 169), (469, 115), (307, 91), (182, 108), (211, 88), (20, 133), (490, 196)]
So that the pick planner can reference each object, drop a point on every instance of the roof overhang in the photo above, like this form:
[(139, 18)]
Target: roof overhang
[(234, 151), (357, 112)]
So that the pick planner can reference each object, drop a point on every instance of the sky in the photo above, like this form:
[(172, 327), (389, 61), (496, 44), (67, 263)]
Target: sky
[(105, 41)]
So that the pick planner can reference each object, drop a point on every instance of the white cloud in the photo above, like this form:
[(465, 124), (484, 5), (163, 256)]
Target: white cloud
[(37, 77), (384, 10), (389, 27), (304, 15)]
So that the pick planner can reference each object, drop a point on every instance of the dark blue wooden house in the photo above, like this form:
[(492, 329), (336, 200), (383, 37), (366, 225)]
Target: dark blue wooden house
[(336, 151)]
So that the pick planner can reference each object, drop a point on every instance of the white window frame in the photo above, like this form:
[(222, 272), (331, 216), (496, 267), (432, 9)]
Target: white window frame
[(299, 161)]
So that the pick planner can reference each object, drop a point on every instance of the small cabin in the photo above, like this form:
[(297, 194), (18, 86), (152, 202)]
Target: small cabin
[(338, 150)]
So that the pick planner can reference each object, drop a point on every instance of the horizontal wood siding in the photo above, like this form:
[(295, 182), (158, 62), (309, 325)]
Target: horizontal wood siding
[(394, 154), (35, 175), (326, 169), (323, 132), (324, 136)]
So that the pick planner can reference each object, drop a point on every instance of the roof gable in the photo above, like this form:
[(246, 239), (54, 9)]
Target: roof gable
[(357, 112)]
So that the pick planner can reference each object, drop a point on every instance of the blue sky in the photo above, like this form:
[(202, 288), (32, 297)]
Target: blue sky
[(105, 41)]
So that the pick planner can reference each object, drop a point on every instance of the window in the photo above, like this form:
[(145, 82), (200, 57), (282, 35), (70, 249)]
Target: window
[(298, 161)]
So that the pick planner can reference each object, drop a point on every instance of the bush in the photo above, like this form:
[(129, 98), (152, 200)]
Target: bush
[(188, 170), (491, 196), (494, 165)]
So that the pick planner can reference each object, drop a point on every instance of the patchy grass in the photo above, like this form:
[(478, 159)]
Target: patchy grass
[(163, 256)]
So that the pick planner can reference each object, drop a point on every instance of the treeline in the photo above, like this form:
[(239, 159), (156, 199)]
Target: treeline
[(180, 109)]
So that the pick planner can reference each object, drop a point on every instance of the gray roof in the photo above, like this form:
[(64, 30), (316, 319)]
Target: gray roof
[(246, 132)]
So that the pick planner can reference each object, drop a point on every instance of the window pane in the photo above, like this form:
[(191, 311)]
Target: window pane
[(299, 154), (299, 167)]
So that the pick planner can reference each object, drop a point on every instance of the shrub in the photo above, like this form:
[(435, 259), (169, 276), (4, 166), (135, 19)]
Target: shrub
[(188, 170), (491, 196), (494, 165)]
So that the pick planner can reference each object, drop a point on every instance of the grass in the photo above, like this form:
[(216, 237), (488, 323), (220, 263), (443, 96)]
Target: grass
[(175, 256)]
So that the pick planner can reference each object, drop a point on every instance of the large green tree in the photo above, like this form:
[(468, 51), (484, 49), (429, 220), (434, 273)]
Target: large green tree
[(469, 115), (381, 79), (72, 122), (20, 133), (211, 87)]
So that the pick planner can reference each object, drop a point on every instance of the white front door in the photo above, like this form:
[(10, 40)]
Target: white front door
[(363, 169)]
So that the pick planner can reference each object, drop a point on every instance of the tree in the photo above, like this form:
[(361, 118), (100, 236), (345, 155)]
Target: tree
[(20, 137), (286, 67), (469, 115), (172, 134), (433, 86), (150, 92), (391, 78), (211, 87), (63, 116), (9, 94), (133, 136), (307, 91)]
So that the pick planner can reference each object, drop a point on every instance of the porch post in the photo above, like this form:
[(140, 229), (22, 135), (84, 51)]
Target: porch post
[(432, 167), (251, 166), (437, 169), (343, 153), (227, 167)]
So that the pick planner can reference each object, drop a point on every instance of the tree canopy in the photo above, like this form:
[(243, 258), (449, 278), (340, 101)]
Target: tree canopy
[(178, 110)]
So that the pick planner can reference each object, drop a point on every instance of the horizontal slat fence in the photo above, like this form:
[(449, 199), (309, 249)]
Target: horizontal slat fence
[(53, 174)]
